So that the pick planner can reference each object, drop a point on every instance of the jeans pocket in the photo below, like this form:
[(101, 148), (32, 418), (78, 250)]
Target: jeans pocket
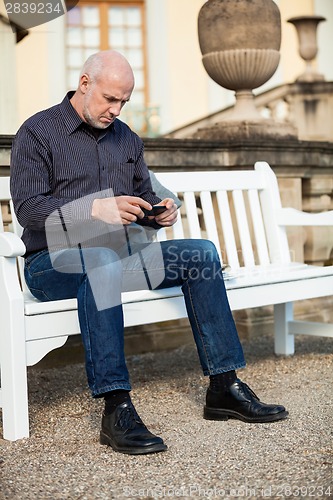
[(37, 263), (39, 294)]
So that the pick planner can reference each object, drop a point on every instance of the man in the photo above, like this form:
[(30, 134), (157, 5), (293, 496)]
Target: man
[(76, 164)]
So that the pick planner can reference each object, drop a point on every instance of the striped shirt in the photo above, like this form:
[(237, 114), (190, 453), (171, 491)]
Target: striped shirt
[(57, 158)]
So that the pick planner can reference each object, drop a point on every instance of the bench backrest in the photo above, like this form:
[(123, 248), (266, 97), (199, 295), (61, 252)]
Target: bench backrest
[(235, 209)]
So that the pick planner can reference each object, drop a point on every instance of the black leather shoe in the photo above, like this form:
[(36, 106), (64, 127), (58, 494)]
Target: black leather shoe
[(125, 432), (241, 402)]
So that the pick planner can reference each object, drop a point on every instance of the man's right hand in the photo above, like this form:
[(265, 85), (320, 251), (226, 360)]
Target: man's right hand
[(119, 210)]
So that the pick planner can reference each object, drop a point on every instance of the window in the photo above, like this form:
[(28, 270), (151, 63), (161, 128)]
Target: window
[(119, 25)]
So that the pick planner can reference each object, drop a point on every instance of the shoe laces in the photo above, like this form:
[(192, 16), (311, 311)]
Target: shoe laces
[(248, 389), (128, 418)]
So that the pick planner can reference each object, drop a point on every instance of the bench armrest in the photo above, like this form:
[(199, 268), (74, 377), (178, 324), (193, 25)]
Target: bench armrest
[(11, 245), (293, 217)]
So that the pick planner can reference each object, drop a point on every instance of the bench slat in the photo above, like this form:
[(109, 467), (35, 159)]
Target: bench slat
[(227, 228), (197, 181), (243, 228), (4, 189), (4, 198), (258, 227), (178, 228), (210, 219), (192, 215), (270, 201)]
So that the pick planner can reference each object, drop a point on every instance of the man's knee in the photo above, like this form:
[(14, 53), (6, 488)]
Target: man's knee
[(99, 257), (203, 251)]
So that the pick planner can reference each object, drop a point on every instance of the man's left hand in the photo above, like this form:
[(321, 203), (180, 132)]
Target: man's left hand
[(169, 217)]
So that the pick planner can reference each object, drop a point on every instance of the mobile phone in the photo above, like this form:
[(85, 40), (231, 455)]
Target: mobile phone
[(156, 210)]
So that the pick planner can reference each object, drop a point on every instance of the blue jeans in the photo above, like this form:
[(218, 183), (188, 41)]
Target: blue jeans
[(192, 264)]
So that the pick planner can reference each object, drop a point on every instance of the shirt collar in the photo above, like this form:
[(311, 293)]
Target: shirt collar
[(72, 119)]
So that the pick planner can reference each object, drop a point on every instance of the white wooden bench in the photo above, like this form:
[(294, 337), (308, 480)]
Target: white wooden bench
[(240, 211)]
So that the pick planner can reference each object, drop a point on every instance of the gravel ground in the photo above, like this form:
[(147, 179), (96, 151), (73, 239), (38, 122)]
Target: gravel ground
[(63, 459)]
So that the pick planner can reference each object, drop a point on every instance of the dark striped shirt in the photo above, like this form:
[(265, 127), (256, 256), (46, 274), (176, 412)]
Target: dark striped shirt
[(57, 158)]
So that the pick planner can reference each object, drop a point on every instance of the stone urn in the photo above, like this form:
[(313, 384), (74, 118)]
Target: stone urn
[(240, 42), (306, 27)]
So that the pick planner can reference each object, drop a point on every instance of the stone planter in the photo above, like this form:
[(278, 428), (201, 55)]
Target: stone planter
[(306, 27), (240, 42)]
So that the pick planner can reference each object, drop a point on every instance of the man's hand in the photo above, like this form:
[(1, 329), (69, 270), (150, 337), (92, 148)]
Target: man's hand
[(119, 210), (169, 217)]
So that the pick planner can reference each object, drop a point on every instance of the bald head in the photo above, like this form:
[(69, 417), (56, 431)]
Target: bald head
[(108, 63), (106, 84)]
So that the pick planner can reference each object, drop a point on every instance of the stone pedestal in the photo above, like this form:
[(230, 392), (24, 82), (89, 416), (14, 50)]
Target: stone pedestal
[(311, 110), (255, 130)]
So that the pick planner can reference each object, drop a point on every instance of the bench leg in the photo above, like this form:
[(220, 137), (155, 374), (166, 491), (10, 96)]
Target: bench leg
[(284, 342), (14, 390), (14, 394)]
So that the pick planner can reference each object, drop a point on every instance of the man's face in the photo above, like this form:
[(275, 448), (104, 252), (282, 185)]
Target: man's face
[(104, 99)]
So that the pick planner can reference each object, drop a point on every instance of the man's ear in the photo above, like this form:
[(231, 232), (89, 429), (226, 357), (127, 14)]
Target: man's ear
[(84, 80)]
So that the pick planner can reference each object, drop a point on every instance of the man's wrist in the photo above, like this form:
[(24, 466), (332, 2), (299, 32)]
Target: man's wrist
[(95, 208)]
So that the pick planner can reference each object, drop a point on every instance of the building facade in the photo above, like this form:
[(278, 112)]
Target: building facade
[(160, 39)]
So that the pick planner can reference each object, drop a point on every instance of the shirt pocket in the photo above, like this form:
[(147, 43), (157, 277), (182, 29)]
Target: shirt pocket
[(121, 177)]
